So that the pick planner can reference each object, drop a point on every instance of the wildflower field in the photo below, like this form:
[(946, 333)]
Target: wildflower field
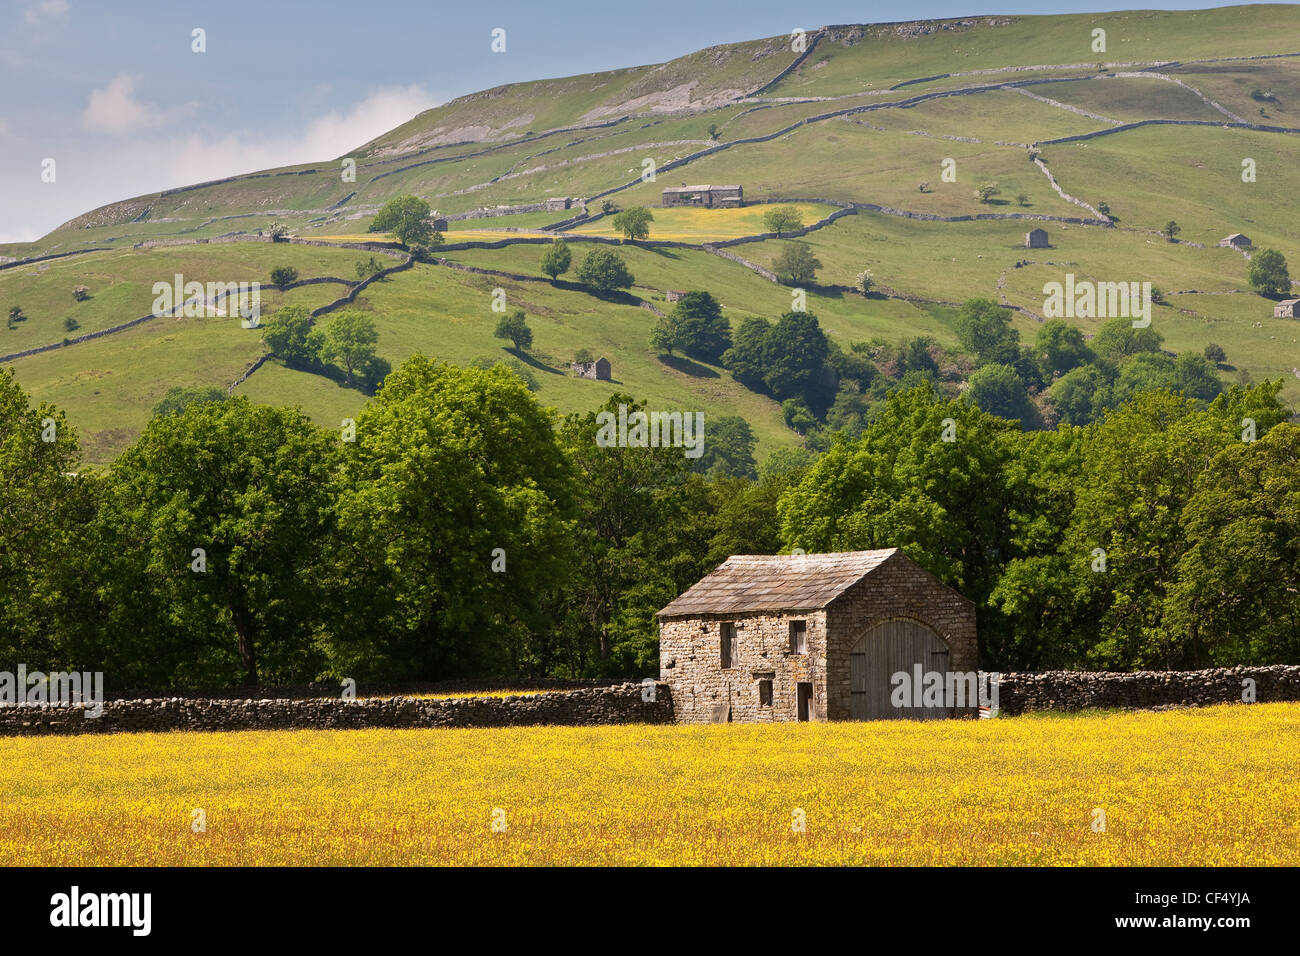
[(1204, 786)]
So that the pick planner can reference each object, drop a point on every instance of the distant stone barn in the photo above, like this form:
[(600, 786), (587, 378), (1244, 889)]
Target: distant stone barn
[(1286, 309), (599, 369), (813, 637), (1036, 239)]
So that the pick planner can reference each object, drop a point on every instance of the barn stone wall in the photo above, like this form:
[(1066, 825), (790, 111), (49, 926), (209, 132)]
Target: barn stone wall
[(899, 588), (690, 658)]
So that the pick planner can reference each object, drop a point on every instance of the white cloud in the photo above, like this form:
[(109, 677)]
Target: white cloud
[(44, 11), (115, 109), (331, 135), (103, 170)]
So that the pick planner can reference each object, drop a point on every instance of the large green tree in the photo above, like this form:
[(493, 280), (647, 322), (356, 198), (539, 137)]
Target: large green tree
[(1268, 273), (44, 505), (605, 271), (407, 218), (212, 528), (454, 507)]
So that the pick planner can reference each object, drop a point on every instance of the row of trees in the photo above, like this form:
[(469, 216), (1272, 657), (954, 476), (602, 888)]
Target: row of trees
[(462, 529)]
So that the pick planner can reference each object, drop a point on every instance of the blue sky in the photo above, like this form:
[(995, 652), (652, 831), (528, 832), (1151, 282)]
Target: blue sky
[(114, 94)]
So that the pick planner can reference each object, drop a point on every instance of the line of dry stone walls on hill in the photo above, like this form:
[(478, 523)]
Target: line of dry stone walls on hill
[(631, 702)]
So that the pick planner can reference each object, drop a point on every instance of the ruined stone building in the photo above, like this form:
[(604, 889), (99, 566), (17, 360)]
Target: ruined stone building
[(812, 637)]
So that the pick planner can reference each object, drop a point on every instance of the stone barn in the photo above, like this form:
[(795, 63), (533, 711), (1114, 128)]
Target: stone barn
[(1036, 239), (598, 369), (816, 637), (1235, 241), (1286, 309), (713, 197)]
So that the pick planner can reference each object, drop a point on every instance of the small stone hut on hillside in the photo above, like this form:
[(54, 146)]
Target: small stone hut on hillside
[(598, 369), (812, 637), (1286, 309), (1036, 239)]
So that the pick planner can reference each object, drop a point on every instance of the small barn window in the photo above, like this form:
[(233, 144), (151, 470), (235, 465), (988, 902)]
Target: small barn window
[(765, 693), (728, 637), (798, 637)]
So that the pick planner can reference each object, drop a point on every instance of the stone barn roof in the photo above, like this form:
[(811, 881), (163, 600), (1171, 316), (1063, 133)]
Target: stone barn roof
[(776, 582)]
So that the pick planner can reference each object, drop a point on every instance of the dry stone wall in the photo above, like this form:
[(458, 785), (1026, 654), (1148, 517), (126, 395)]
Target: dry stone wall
[(1075, 690), (619, 704)]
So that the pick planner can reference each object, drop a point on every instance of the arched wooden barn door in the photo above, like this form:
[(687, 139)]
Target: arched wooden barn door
[(886, 649)]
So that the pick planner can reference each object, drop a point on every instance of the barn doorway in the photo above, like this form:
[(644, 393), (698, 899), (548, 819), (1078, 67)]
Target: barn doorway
[(886, 649), (803, 694)]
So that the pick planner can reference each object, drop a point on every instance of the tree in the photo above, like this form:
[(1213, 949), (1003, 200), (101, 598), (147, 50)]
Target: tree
[(984, 328), (634, 223), (368, 268), (286, 335), (583, 356), (1081, 394), (865, 282), (608, 206), (665, 336), (745, 357), (998, 390), (986, 191), (1235, 601), (713, 131), (181, 397), (923, 187), (44, 505), (556, 259), (794, 356), (282, 276), (16, 315), (729, 450), (215, 522), (350, 339), (278, 231), (1103, 207), (901, 485), (639, 542), (1196, 378), (1268, 273), (1060, 347), (1117, 339), (796, 265), (81, 293), (1022, 199), (70, 324), (407, 218), (1171, 230), (781, 219), (514, 327), (605, 271), (1214, 353), (454, 514), (701, 330)]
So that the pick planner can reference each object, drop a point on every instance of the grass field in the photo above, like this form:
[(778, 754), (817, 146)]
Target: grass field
[(1212, 786)]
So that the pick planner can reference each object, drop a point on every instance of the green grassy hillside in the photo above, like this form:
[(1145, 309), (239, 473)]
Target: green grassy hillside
[(866, 117)]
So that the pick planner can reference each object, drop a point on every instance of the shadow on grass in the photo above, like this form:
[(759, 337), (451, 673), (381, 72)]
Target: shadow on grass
[(530, 361), (687, 367)]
